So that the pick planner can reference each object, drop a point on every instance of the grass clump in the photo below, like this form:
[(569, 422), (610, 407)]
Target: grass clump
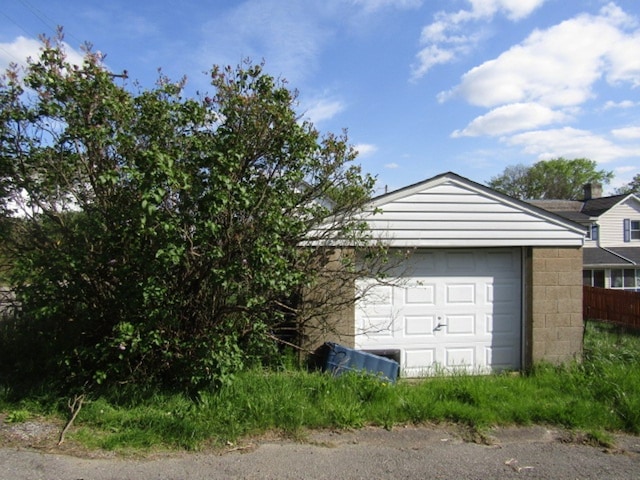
[(600, 394), (17, 416)]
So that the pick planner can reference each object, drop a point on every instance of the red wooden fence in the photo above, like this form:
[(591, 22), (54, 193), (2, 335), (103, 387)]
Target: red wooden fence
[(614, 306)]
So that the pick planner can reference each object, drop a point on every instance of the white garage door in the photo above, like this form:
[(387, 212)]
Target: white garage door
[(446, 310)]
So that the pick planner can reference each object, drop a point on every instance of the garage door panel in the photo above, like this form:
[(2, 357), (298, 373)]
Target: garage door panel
[(501, 357), (460, 324), (460, 261), (461, 293), (424, 265), (378, 295), (378, 326), (460, 357), (501, 261), (419, 326), (503, 292), (420, 294), (502, 325), (418, 358)]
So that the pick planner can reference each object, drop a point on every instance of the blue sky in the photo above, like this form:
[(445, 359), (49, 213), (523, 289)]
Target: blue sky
[(422, 86)]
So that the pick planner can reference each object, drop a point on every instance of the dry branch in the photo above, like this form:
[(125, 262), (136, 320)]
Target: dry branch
[(74, 408)]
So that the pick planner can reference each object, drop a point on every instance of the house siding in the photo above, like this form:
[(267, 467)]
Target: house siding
[(611, 224), (554, 305), (450, 214)]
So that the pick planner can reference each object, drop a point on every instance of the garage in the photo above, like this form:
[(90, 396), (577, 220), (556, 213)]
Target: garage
[(482, 283), (448, 309)]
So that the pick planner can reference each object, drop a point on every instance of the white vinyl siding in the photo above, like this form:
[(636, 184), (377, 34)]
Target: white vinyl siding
[(612, 224), (453, 214)]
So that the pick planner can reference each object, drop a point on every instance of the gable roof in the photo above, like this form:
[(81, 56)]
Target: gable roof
[(582, 211), (450, 210), (597, 206)]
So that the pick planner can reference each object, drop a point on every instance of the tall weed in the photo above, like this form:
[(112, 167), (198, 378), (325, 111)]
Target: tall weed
[(602, 393)]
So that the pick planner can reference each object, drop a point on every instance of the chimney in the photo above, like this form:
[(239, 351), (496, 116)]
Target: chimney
[(592, 190)]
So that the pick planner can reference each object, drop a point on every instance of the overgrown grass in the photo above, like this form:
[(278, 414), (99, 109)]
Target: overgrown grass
[(599, 395)]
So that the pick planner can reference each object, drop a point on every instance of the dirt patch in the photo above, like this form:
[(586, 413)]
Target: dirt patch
[(36, 433), (43, 435)]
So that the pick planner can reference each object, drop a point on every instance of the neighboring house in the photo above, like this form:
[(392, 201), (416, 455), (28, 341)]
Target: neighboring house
[(612, 247), (490, 283)]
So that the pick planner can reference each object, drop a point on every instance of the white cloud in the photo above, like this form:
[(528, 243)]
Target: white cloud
[(391, 166), (365, 149), (626, 133), (431, 56), (570, 143), (323, 109), (557, 66), (450, 34), (511, 118), (548, 78), (375, 5), (289, 36), (625, 62), (626, 168), (623, 175), (513, 9), (23, 48), (623, 104)]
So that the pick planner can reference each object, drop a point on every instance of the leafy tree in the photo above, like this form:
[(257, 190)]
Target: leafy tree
[(551, 179), (632, 187), (514, 182), (163, 239)]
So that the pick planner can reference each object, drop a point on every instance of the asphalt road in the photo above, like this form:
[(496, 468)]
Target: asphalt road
[(404, 453)]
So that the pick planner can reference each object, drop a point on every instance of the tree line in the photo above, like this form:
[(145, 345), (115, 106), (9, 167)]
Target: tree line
[(558, 179)]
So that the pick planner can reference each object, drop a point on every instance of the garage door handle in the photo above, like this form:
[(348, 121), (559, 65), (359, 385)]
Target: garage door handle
[(439, 327)]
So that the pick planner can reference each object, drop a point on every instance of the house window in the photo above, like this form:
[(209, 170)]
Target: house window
[(593, 278), (617, 278), (592, 232), (631, 230), (625, 279)]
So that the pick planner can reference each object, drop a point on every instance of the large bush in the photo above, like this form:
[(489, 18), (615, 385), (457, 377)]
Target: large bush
[(161, 239)]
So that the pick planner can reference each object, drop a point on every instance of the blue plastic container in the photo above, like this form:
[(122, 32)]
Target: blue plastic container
[(342, 359)]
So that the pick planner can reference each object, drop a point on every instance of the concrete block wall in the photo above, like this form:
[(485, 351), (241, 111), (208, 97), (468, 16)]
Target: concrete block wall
[(555, 304), (336, 326), (332, 315)]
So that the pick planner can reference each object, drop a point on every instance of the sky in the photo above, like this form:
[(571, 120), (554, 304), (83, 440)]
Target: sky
[(422, 87)]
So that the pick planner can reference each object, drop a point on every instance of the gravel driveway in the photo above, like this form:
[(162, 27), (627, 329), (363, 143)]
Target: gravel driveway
[(370, 453)]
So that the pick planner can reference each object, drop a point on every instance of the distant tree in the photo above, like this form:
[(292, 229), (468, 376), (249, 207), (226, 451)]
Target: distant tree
[(632, 187), (165, 239), (514, 182), (550, 179)]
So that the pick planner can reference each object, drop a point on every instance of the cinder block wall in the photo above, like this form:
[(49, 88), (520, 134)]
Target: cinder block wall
[(336, 326), (334, 317), (555, 304)]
